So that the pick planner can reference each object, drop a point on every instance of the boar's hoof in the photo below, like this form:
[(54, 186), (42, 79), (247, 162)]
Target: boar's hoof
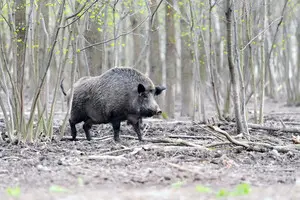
[(141, 141), (89, 138), (117, 139), (140, 138)]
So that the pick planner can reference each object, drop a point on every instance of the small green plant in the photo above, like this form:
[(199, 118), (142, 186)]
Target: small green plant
[(203, 189), (178, 184), (242, 189), (164, 115), (58, 189), (239, 190), (80, 181), (222, 193), (13, 192)]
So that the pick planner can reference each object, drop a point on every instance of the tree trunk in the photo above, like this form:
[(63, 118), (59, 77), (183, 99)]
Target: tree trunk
[(232, 70), (94, 54), (170, 60), (286, 63), (178, 54), (134, 19), (104, 54), (263, 67), (297, 81), (42, 39), (210, 63), (20, 22), (187, 88), (240, 73), (155, 73), (250, 58)]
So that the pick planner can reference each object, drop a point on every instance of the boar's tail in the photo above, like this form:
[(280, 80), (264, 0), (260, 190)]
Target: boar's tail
[(62, 87)]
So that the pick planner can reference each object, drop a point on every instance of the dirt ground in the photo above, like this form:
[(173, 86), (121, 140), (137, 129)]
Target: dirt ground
[(162, 168)]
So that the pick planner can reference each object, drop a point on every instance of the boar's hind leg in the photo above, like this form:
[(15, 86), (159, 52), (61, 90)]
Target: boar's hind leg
[(73, 130), (86, 127), (116, 126)]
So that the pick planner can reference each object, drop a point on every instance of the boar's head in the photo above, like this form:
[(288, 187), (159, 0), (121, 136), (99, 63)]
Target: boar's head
[(145, 103)]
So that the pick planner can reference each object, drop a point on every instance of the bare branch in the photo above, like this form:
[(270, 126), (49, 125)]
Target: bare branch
[(276, 32), (81, 14), (109, 40), (152, 16), (79, 10), (260, 33)]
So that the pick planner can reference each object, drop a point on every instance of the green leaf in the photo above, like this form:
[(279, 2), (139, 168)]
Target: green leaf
[(13, 192), (58, 189), (203, 189)]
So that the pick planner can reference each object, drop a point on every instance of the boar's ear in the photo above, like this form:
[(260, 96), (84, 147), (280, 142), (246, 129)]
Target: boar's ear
[(141, 88), (159, 89)]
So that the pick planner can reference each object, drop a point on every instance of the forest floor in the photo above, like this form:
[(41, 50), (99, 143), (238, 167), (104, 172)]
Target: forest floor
[(171, 164)]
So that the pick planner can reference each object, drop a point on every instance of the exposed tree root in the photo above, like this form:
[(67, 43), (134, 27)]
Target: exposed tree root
[(170, 143), (104, 138), (268, 128), (106, 157), (183, 168), (164, 140), (256, 146), (191, 137), (217, 144)]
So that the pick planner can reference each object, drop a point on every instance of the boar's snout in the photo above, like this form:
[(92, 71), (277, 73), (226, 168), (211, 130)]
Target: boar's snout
[(150, 112)]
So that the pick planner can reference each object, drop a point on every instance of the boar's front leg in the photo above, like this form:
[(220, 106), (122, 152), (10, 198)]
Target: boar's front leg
[(116, 126), (135, 121), (141, 123), (86, 127), (137, 129)]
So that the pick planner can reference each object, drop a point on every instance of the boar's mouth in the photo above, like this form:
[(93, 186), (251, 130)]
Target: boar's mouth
[(147, 113)]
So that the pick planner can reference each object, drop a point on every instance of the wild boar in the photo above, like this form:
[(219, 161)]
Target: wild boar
[(119, 94)]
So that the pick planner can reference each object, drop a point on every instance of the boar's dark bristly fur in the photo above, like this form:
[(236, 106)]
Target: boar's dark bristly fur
[(119, 94)]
